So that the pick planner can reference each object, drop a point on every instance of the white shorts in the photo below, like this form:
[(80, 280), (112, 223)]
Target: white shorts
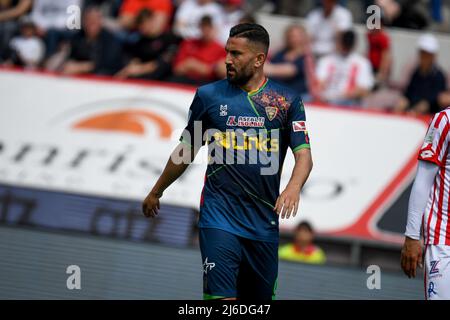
[(437, 272)]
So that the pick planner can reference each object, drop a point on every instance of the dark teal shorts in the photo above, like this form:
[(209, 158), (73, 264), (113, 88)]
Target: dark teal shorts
[(234, 266)]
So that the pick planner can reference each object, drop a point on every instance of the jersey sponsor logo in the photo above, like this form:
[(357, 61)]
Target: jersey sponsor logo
[(242, 121), (231, 121), (298, 126), (231, 140), (257, 122), (271, 112), (208, 266), (223, 110)]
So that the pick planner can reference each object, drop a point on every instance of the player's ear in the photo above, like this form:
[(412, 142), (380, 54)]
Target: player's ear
[(260, 58)]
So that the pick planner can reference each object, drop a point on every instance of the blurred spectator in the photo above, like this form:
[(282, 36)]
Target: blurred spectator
[(151, 56), (303, 249), (427, 81), (162, 10), (232, 14), (110, 8), (10, 12), (379, 53), (293, 64), (444, 99), (200, 60), (391, 9), (93, 49), (247, 18), (436, 10), (344, 77), (323, 24), (189, 14), (412, 15), (26, 49), (403, 13), (51, 19)]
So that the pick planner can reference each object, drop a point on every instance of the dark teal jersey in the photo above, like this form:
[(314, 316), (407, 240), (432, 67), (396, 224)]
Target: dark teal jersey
[(248, 134)]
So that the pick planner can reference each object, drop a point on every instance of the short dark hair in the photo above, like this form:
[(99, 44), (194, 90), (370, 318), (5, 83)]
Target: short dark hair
[(143, 15), (348, 39), (206, 21), (252, 32), (305, 225)]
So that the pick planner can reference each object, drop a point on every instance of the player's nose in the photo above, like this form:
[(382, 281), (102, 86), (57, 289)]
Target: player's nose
[(228, 60)]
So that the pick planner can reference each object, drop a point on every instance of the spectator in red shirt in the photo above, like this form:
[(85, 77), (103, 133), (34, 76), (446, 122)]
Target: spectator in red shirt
[(379, 54), (200, 60), (131, 8)]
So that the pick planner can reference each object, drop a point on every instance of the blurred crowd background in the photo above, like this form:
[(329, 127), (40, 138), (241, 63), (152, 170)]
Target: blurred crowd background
[(183, 41)]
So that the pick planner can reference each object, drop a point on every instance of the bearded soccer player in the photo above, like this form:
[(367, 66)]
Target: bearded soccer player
[(429, 210), (251, 121)]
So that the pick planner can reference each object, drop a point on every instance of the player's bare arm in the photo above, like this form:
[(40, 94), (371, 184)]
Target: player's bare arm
[(288, 201), (171, 172)]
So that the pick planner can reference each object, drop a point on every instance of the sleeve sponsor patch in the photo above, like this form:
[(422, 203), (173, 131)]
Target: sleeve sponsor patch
[(426, 154), (299, 126)]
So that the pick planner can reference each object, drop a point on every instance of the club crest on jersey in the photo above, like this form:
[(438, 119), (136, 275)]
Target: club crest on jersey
[(271, 112), (298, 126)]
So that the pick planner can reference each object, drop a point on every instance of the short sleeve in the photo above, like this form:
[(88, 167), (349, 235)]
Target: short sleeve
[(196, 124), (298, 134), (435, 145)]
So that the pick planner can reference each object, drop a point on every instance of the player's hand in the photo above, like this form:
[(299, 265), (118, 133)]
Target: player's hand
[(287, 202), (411, 256), (150, 206)]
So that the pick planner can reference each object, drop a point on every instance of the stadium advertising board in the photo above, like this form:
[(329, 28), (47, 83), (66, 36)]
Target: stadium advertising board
[(110, 139)]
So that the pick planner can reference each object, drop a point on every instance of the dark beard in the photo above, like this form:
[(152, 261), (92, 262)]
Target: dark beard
[(240, 80)]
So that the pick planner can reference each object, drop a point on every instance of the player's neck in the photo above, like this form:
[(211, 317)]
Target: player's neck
[(255, 83)]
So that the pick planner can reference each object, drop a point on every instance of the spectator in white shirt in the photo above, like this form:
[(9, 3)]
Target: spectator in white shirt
[(50, 18), (232, 14), (325, 23), (345, 76), (26, 49), (10, 12), (189, 14)]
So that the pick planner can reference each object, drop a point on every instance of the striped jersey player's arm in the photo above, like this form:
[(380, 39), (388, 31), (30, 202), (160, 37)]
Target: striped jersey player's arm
[(423, 184), (436, 144)]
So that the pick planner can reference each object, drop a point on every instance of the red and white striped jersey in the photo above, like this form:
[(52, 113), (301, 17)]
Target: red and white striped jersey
[(436, 228)]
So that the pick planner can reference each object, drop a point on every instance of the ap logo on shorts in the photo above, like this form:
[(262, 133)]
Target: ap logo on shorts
[(208, 266)]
